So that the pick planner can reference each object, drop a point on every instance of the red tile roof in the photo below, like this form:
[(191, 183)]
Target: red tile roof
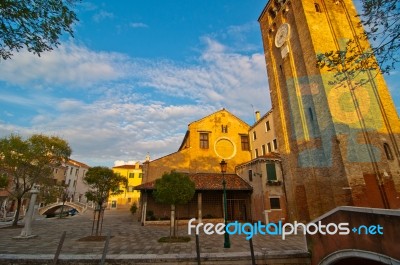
[(77, 163), (209, 181)]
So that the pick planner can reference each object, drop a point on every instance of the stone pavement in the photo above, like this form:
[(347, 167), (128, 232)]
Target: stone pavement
[(129, 237)]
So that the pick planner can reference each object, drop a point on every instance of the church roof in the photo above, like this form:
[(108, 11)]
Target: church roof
[(209, 181)]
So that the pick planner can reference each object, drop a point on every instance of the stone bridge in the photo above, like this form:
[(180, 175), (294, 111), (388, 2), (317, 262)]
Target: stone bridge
[(80, 207), (373, 237)]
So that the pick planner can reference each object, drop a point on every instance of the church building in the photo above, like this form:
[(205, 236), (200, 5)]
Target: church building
[(338, 133)]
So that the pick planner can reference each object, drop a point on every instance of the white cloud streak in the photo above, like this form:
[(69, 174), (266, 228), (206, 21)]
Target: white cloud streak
[(102, 15), (138, 25)]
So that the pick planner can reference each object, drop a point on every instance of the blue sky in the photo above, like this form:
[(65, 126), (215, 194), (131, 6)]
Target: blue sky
[(137, 73)]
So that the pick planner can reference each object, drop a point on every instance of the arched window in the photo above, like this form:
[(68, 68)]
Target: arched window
[(388, 152), (317, 8)]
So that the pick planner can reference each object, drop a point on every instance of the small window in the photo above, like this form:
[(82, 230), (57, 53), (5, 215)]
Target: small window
[(204, 140), (263, 149), (254, 135), (256, 152), (267, 126), (70, 172), (269, 147), (250, 175), (74, 183), (76, 172), (275, 203), (140, 175), (69, 182), (388, 151), (245, 142), (224, 128), (317, 8), (131, 175), (275, 144), (129, 200)]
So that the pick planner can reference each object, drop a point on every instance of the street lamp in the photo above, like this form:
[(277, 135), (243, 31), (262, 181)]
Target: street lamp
[(223, 164)]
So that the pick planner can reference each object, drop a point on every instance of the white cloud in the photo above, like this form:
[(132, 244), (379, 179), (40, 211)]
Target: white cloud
[(69, 64), (220, 78), (122, 163), (144, 105)]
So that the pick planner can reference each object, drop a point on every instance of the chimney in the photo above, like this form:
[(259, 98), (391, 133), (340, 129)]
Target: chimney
[(257, 115)]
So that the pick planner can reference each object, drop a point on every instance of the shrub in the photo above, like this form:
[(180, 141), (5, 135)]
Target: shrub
[(133, 208)]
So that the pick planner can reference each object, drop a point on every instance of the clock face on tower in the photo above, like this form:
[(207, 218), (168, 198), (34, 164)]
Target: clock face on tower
[(282, 35)]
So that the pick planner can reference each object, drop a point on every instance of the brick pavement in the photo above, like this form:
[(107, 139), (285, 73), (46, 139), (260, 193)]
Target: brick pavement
[(129, 237)]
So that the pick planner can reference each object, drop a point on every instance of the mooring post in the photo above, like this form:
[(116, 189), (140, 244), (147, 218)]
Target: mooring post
[(60, 244), (253, 259), (198, 249), (103, 257)]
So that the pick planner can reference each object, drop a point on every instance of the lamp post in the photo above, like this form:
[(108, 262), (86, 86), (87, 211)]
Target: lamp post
[(223, 164)]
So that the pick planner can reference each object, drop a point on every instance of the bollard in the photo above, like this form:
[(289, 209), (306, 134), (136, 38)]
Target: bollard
[(60, 244)]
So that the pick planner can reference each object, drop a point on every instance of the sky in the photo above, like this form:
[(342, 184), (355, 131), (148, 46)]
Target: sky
[(137, 73)]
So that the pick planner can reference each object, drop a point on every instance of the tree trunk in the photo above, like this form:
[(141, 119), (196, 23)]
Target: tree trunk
[(98, 222), (172, 229), (16, 216)]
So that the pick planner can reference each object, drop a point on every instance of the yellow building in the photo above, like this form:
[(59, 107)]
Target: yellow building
[(133, 174), (220, 135)]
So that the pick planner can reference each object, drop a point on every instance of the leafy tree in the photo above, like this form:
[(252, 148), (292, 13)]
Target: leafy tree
[(381, 22), (30, 162), (174, 188), (51, 191), (102, 182), (34, 24), (381, 19)]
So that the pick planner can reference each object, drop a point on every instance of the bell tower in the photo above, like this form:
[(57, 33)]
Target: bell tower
[(339, 141)]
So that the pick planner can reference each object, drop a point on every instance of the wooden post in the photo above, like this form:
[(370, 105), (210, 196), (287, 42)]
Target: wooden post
[(199, 207)]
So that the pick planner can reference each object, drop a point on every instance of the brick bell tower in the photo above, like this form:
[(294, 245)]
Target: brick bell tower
[(339, 142)]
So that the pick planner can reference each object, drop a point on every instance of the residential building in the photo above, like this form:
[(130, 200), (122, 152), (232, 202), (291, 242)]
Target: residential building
[(338, 138), (262, 135), (59, 174), (134, 176), (75, 187), (268, 199), (264, 172)]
